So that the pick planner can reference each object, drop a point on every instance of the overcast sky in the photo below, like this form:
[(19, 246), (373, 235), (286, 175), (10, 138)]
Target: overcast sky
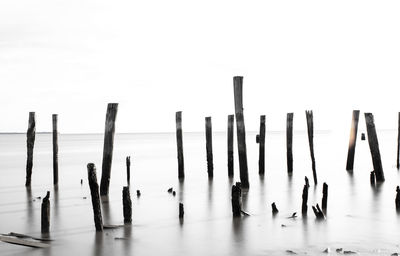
[(156, 57)]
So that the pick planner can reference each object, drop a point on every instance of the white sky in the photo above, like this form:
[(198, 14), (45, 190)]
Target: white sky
[(72, 57)]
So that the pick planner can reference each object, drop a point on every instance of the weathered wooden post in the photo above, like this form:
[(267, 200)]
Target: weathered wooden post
[(94, 191), (261, 157), (241, 131), (179, 142), (230, 145), (55, 149), (352, 140), (30, 142), (397, 201), (372, 178), (236, 200), (310, 130), (398, 143), (45, 220), (181, 210), (210, 165), (127, 205), (274, 209), (128, 170), (111, 115), (305, 197), (289, 142), (374, 147), (318, 212), (325, 196)]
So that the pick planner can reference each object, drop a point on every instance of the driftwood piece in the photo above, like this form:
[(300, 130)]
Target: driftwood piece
[(94, 191), (127, 205), (23, 242), (289, 142), (179, 142), (310, 130), (230, 145), (210, 164), (261, 157), (55, 149), (352, 140), (374, 147), (30, 142), (236, 199), (45, 220), (305, 197), (23, 236)]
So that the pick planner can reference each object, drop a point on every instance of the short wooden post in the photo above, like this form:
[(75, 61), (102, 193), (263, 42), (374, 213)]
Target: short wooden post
[(230, 145), (127, 205), (128, 170), (318, 212), (274, 209), (210, 165), (397, 201), (261, 157), (362, 136), (398, 143), (305, 197), (94, 191), (45, 220), (30, 142), (179, 142), (181, 211), (352, 140), (310, 130), (374, 147), (241, 131), (324, 196), (289, 142), (111, 115), (55, 149), (236, 200), (372, 178)]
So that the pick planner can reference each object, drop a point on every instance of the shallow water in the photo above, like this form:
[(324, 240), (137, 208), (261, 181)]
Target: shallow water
[(360, 218)]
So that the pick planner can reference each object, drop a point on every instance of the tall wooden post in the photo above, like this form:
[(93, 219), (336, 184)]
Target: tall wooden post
[(310, 130), (289, 142), (210, 165), (352, 140), (111, 115), (261, 157), (398, 144), (55, 149), (128, 170), (94, 192), (45, 220), (30, 142), (230, 145), (325, 196), (241, 131), (127, 205), (374, 147), (179, 142)]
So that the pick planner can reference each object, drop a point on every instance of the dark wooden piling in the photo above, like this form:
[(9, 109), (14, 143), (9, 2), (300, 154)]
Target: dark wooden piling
[(241, 131), (94, 191), (179, 142), (111, 115), (231, 119), (261, 157), (372, 178), (45, 220), (352, 140), (30, 142), (274, 209), (305, 197), (374, 147), (128, 170), (236, 200), (289, 142), (397, 201), (127, 205), (398, 144), (310, 130), (210, 165), (55, 149), (181, 211), (324, 196), (319, 214)]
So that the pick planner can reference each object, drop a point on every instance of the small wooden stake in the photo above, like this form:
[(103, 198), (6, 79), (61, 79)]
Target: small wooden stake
[(305, 197), (261, 157), (398, 144), (128, 170), (55, 149), (374, 147), (372, 178), (210, 165), (324, 196), (127, 205), (179, 142), (274, 209), (352, 140), (230, 145), (236, 200), (241, 131), (310, 129), (181, 210), (30, 142), (111, 115), (46, 214), (94, 191), (289, 142)]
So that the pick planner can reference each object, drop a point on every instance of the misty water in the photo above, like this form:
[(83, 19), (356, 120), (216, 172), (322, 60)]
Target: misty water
[(360, 218)]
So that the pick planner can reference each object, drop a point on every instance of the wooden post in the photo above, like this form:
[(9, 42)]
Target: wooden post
[(127, 205), (398, 143), (45, 221), (210, 165), (179, 142), (241, 131), (230, 145), (94, 191), (374, 147), (274, 209), (181, 210), (310, 129), (261, 157), (289, 142), (352, 140), (128, 170), (372, 178), (324, 196), (305, 197), (397, 201), (111, 115), (55, 149), (236, 200), (30, 142), (318, 212)]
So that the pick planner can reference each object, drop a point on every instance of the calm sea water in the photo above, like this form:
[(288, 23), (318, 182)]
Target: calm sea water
[(360, 218)]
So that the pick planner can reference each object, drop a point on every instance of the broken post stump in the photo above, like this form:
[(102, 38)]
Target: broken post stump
[(397, 201), (362, 136), (374, 147), (261, 157), (181, 210), (128, 170), (324, 196), (310, 130), (55, 149), (230, 145), (241, 131), (274, 209), (318, 212), (289, 142), (179, 142), (305, 197), (236, 199), (210, 165), (45, 220), (398, 143), (30, 142), (94, 192), (372, 178), (112, 109), (352, 140), (127, 205)]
